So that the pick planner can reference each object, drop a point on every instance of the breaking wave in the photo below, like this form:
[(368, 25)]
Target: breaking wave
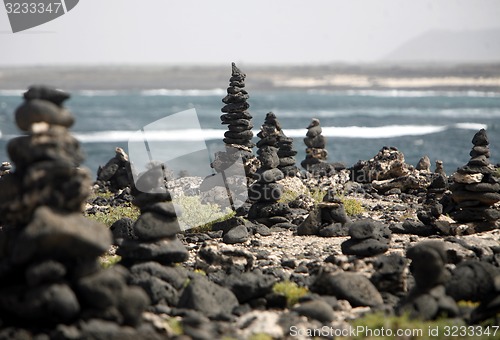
[(407, 93), (183, 93), (366, 132)]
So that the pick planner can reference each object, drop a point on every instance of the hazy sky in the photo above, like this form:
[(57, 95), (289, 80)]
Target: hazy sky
[(252, 31)]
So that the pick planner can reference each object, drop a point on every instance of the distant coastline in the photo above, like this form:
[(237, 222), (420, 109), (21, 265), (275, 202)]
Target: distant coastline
[(438, 77)]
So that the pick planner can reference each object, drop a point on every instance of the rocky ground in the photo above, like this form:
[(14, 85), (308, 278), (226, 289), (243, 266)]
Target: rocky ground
[(308, 254), (249, 266)]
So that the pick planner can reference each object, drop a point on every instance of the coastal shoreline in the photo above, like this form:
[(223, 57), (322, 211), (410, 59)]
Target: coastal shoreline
[(439, 77)]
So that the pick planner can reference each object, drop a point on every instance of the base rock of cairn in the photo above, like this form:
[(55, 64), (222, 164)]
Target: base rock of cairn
[(475, 189), (49, 268), (238, 138), (327, 218), (316, 153), (265, 191), (428, 299), (368, 238)]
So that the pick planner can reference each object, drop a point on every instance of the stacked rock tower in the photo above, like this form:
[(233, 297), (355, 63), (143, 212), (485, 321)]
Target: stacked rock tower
[(238, 138), (475, 189), (153, 235), (49, 268), (315, 143), (265, 191), (286, 152)]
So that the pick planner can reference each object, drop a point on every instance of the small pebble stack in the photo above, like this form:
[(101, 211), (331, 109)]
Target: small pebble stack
[(476, 189), (315, 143)]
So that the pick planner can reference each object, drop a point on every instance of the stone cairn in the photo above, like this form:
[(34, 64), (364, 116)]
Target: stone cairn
[(315, 142), (238, 138), (475, 189), (153, 236), (116, 174), (149, 247), (327, 218), (428, 299), (265, 191), (368, 238), (286, 152), (49, 267)]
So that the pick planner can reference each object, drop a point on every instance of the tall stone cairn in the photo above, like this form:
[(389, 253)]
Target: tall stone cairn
[(49, 252), (265, 191), (238, 138), (315, 143), (475, 189)]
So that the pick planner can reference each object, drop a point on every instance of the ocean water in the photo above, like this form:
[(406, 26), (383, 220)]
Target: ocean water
[(356, 123)]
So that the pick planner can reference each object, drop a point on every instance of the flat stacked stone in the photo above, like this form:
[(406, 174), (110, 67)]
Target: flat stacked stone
[(153, 236), (315, 143), (238, 138), (475, 189), (265, 191), (49, 252), (428, 299)]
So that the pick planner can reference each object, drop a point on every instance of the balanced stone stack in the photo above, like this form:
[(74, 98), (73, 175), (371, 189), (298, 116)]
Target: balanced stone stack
[(116, 174), (316, 143), (368, 238), (49, 268), (238, 138), (428, 300), (327, 218), (265, 191), (153, 236), (476, 189), (286, 152)]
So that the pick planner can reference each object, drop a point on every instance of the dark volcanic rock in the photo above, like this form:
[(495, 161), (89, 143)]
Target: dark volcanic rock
[(316, 309), (238, 234), (68, 236), (251, 285), (355, 288), (208, 298), (428, 299)]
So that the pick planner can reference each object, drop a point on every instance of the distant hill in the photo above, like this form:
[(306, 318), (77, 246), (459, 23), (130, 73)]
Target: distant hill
[(450, 46)]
